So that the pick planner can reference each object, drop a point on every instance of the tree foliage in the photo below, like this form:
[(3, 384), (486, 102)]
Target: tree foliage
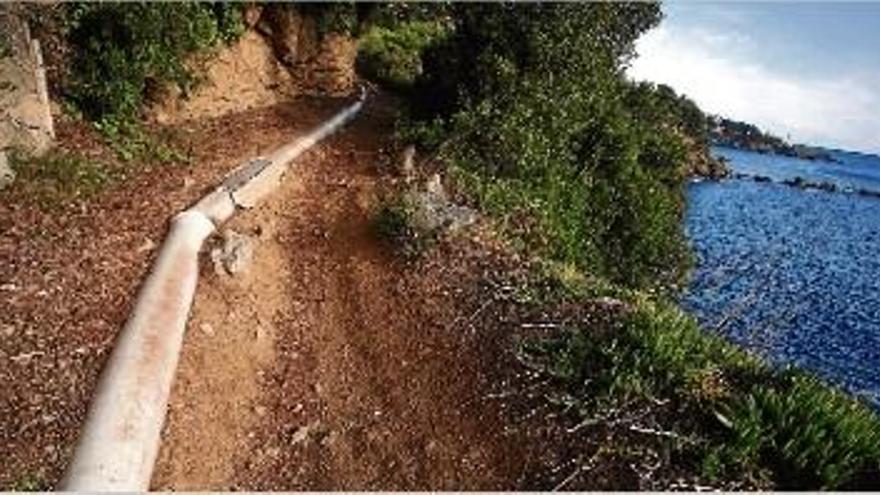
[(392, 55), (543, 122), (122, 49)]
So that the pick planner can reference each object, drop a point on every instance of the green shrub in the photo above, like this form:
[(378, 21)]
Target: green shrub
[(390, 14), (746, 421), (610, 200), (130, 140), (230, 23), (121, 50), (809, 435), (392, 56), (534, 111)]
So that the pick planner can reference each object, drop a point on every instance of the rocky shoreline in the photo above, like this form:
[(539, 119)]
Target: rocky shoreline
[(802, 183)]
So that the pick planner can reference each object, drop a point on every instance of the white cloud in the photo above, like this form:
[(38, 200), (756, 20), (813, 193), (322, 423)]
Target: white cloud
[(840, 110)]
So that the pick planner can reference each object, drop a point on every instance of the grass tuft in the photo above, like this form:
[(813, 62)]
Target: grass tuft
[(30, 482), (59, 176), (395, 224)]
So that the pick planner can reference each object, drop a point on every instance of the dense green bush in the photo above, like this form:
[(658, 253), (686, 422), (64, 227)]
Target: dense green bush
[(544, 131), (330, 17), (660, 105), (122, 50), (805, 433), (392, 56)]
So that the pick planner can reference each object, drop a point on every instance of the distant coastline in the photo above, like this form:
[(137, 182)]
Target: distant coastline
[(748, 137)]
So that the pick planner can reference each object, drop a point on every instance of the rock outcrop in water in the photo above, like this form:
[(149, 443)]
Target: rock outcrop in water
[(702, 164), (802, 183), (805, 184)]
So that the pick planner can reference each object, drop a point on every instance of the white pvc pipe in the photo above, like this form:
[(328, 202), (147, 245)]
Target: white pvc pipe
[(119, 441)]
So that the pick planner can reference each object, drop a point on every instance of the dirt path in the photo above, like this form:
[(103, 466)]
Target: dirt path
[(329, 364), (69, 273)]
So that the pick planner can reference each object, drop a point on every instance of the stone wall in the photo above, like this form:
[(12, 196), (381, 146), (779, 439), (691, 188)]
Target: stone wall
[(25, 116)]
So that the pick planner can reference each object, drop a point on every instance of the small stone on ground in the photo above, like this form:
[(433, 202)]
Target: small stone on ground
[(235, 255), (7, 175)]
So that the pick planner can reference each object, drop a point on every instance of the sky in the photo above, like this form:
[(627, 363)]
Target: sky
[(809, 72)]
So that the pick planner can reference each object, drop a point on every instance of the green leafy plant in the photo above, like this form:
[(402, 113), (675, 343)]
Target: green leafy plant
[(332, 17), (809, 435), (125, 51), (130, 140), (745, 420)]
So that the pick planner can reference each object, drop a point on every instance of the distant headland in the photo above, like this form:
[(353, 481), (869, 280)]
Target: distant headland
[(745, 136)]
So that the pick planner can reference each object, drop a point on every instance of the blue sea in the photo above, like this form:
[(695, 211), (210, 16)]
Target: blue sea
[(793, 274)]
